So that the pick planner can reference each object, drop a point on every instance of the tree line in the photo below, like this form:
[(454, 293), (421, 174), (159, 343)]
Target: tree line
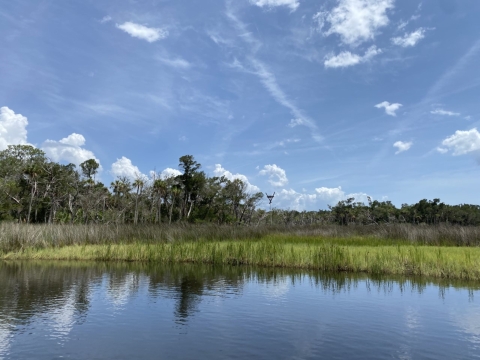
[(34, 189)]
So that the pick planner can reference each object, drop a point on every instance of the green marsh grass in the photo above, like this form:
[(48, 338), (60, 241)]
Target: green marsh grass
[(446, 252)]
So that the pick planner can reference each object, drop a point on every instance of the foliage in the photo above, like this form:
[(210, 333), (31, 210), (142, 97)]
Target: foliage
[(34, 189)]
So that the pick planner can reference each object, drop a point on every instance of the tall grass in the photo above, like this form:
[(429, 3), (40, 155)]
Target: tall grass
[(441, 251), (20, 236), (447, 262)]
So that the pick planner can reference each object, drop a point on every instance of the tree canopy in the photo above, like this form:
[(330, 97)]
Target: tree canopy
[(34, 189)]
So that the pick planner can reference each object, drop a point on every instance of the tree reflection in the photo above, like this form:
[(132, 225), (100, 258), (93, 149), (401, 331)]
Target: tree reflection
[(29, 289)]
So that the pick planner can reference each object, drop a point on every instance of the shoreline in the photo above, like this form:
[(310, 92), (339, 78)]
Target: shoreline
[(325, 255)]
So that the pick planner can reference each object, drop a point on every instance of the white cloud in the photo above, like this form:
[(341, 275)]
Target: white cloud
[(323, 196), (390, 109), (444, 112), (409, 39), (333, 195), (124, 167), (463, 142), (69, 149), (292, 4), (220, 171), (13, 128), (402, 146), (294, 200), (356, 21), (73, 140), (442, 150), (276, 175), (330, 195), (346, 58), (169, 172), (143, 32), (106, 19)]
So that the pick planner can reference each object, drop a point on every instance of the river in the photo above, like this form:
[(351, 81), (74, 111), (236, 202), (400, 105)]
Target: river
[(83, 310)]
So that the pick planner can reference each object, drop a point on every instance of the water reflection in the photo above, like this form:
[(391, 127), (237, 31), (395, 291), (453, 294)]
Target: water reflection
[(64, 289), (56, 298)]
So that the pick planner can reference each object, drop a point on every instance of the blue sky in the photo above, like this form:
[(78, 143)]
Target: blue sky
[(315, 100)]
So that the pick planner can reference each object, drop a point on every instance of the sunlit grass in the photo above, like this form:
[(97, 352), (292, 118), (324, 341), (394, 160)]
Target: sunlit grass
[(446, 262), (443, 251)]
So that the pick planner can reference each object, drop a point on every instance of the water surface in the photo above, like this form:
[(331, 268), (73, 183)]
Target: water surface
[(53, 310)]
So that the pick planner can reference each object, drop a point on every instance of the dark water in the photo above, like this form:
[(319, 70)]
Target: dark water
[(132, 311)]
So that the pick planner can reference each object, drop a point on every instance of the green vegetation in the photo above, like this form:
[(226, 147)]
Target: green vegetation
[(380, 250), (278, 251), (34, 189), (54, 211)]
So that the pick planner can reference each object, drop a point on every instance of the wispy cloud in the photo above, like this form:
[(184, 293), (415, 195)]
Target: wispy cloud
[(390, 109), (346, 58), (447, 84), (103, 108), (143, 32), (445, 81), (204, 106), (268, 79), (409, 40), (444, 112), (177, 63), (295, 122), (106, 19), (292, 4), (280, 144)]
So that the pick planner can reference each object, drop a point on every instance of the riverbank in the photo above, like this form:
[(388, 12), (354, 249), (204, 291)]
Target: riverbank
[(280, 251), (399, 249)]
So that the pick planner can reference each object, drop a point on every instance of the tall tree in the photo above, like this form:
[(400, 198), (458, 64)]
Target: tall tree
[(192, 180), (139, 183), (90, 168)]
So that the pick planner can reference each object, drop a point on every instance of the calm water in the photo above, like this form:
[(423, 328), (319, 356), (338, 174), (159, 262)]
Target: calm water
[(125, 311)]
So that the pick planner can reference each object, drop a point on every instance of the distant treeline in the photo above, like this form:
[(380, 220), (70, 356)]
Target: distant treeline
[(34, 189)]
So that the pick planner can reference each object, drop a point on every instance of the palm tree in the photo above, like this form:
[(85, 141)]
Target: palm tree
[(32, 174), (160, 188), (175, 193), (139, 184)]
